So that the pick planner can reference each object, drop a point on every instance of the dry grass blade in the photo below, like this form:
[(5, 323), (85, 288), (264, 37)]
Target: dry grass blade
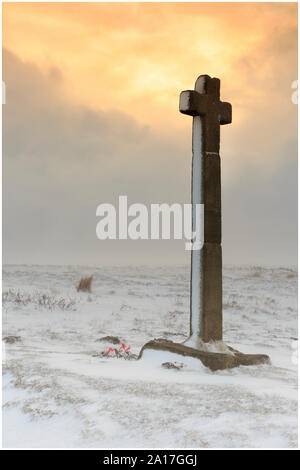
[(85, 284)]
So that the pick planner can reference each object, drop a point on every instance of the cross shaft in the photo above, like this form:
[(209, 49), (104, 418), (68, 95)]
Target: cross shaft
[(208, 113)]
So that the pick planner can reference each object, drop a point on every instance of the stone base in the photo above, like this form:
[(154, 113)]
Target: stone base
[(212, 360)]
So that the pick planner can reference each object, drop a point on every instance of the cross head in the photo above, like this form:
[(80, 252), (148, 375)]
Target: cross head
[(205, 101)]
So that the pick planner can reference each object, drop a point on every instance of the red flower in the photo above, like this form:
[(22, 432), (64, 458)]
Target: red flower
[(118, 352), (110, 350)]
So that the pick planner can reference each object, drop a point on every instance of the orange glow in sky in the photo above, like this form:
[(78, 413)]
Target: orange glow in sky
[(92, 112), (137, 57)]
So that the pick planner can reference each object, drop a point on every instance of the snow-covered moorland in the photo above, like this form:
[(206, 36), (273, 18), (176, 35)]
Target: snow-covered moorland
[(59, 392)]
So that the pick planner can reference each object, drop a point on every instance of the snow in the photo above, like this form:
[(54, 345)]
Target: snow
[(213, 346), (58, 393), (197, 198)]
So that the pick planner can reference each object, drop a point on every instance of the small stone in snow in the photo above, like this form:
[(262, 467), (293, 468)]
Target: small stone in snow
[(172, 365), (110, 339), (11, 339)]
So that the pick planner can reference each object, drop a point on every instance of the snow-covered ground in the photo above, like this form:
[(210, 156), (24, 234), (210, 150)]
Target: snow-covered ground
[(58, 393)]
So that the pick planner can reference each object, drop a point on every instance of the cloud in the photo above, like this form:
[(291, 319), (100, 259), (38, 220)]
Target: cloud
[(61, 159), (135, 57)]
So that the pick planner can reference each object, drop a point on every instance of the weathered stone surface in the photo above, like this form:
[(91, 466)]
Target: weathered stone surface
[(212, 180), (212, 198), (214, 361), (211, 321), (212, 226), (211, 136)]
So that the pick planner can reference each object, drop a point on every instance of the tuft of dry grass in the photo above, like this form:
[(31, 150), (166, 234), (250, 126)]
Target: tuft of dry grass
[(85, 284), (256, 274), (39, 299)]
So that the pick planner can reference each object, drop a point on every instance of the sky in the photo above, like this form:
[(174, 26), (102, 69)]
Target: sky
[(91, 113)]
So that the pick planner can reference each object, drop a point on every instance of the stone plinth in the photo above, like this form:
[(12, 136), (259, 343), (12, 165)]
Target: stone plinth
[(213, 360)]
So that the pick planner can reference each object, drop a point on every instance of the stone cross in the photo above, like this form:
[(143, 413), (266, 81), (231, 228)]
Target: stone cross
[(208, 113)]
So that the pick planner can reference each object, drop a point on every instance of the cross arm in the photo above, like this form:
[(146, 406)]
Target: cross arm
[(225, 113), (193, 103)]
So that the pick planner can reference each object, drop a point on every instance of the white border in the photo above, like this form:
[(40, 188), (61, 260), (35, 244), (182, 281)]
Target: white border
[(154, 1)]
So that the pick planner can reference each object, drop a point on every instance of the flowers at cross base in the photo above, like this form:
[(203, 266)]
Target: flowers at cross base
[(123, 349), (123, 352)]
